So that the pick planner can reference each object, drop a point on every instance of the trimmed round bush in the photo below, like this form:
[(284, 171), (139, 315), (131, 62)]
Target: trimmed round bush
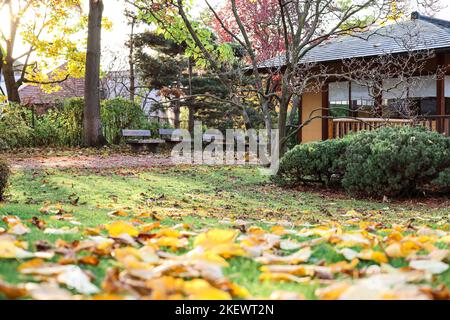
[(390, 161), (4, 175), (396, 161), (316, 162)]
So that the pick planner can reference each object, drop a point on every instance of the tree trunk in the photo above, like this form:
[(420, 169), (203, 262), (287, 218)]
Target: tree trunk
[(191, 117), (282, 117), (294, 110), (267, 118), (93, 136), (12, 88), (177, 104), (131, 62), (1, 68), (176, 113), (245, 117)]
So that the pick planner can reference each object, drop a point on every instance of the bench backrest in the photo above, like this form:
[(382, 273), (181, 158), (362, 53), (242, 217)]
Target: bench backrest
[(211, 137), (166, 132), (136, 133)]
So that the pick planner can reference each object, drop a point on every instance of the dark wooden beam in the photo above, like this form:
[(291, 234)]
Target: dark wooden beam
[(325, 111), (440, 90), (351, 106), (379, 100), (300, 119)]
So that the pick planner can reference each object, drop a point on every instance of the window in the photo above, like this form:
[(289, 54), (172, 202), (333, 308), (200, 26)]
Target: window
[(338, 98), (406, 97), (362, 103)]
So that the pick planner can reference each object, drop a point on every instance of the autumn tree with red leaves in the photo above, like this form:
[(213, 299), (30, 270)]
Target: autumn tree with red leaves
[(261, 18)]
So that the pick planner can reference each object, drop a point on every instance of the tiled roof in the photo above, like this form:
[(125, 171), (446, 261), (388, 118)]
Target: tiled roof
[(71, 88), (419, 33)]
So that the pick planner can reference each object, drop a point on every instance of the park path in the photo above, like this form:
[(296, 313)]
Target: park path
[(90, 161)]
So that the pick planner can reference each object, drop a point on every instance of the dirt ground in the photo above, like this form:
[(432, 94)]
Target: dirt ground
[(83, 159)]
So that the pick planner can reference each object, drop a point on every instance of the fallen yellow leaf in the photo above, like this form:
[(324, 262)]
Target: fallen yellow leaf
[(118, 228)]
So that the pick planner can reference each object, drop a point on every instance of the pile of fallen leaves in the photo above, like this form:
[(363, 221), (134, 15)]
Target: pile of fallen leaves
[(149, 259)]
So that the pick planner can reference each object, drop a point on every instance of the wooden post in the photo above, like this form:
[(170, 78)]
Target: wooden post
[(440, 92), (300, 119), (325, 111), (379, 100), (350, 104)]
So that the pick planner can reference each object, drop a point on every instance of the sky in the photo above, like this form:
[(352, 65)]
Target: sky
[(114, 40)]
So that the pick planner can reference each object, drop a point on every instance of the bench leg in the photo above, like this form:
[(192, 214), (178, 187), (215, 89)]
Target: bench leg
[(137, 148), (153, 148)]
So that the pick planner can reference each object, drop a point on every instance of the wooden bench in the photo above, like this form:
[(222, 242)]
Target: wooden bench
[(213, 138), (139, 140), (166, 135)]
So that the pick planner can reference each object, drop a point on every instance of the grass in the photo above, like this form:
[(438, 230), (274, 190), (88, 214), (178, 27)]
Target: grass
[(201, 196)]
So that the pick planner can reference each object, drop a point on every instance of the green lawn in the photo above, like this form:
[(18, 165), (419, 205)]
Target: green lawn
[(201, 197)]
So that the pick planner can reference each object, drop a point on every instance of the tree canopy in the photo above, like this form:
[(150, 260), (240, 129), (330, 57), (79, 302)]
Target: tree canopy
[(48, 32)]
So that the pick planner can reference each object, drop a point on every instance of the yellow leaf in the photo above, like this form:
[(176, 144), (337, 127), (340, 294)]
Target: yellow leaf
[(92, 231), (219, 241), (171, 242), (401, 249), (8, 250), (107, 297), (238, 291), (299, 270), (269, 276), (151, 226), (278, 230), (118, 213), (376, 256), (200, 289), (332, 292), (168, 232), (31, 264), (301, 255), (118, 228), (255, 230)]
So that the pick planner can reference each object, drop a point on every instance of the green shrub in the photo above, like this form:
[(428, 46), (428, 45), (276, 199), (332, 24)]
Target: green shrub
[(4, 175), (15, 127), (48, 131), (396, 161), (63, 126), (118, 114), (70, 122), (316, 162)]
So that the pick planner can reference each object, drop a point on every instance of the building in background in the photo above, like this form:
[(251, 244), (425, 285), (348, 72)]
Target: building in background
[(340, 106), (113, 84)]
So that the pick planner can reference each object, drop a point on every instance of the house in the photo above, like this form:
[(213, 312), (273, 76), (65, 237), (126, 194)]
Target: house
[(342, 104), (40, 100)]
